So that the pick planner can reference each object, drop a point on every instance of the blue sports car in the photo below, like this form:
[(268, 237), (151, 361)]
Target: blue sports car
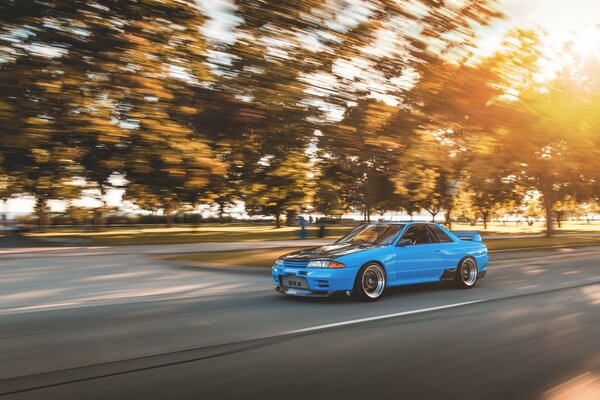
[(375, 256)]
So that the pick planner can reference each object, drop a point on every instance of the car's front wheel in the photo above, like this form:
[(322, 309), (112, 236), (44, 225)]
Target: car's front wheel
[(370, 283), (466, 273)]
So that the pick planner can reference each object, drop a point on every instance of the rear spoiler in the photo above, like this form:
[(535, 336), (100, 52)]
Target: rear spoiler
[(470, 236)]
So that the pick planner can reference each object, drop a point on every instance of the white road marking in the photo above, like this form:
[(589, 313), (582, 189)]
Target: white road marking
[(380, 317), (567, 382)]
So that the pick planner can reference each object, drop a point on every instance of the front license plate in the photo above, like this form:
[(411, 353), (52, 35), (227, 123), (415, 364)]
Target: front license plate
[(293, 281)]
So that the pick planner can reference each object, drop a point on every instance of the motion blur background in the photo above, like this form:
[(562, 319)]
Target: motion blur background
[(172, 111), (151, 152)]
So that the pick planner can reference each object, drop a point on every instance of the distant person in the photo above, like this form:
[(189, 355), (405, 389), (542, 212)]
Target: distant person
[(310, 219), (302, 223)]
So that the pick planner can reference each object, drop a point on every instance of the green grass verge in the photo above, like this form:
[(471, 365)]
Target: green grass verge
[(205, 233), (120, 236), (266, 257), (507, 244), (236, 258)]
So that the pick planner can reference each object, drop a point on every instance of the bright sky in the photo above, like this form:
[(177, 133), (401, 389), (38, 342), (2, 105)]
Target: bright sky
[(561, 19)]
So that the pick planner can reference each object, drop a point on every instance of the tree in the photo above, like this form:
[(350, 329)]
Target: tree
[(36, 103), (490, 194), (330, 194), (414, 187), (168, 164), (548, 126), (533, 211), (270, 119), (280, 185), (564, 207), (359, 154), (276, 78), (590, 209), (94, 90), (437, 200), (91, 89), (451, 104), (493, 183), (464, 210)]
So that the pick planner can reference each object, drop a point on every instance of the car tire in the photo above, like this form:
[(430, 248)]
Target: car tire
[(369, 283), (466, 273)]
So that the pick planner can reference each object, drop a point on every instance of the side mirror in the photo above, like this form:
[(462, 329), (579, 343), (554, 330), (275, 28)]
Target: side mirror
[(403, 242)]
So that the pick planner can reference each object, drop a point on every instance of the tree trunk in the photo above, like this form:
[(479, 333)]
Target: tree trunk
[(449, 219), (485, 217), (40, 211), (548, 208), (170, 219), (221, 209), (559, 218), (433, 214), (98, 219), (278, 217)]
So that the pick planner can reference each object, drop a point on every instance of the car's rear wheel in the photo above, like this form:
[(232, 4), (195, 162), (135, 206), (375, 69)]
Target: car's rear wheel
[(370, 283), (466, 273)]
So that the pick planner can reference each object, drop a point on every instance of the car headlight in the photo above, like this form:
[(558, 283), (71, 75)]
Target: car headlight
[(318, 264), (279, 262), (325, 264)]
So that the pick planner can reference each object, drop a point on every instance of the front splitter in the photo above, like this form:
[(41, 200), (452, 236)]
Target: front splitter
[(301, 292)]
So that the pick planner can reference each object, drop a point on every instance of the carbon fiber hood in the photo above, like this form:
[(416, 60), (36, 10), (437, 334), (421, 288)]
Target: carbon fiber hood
[(328, 252)]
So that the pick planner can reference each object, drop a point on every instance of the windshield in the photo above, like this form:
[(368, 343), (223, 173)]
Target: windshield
[(382, 234)]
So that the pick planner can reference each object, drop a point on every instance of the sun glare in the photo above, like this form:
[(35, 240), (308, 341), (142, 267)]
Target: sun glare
[(586, 41), (561, 47)]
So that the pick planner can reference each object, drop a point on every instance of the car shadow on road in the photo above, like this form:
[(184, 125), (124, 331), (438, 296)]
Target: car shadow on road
[(391, 292)]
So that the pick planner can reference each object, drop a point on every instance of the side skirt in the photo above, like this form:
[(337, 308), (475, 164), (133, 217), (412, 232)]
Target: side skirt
[(448, 275)]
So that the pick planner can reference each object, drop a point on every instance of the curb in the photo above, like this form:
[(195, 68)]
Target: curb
[(266, 270), (559, 246)]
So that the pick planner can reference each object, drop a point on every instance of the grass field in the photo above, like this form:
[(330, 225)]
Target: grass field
[(244, 258), (247, 232), (266, 257), (205, 233)]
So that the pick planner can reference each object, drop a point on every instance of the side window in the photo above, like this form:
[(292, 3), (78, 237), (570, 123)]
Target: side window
[(441, 236), (419, 234)]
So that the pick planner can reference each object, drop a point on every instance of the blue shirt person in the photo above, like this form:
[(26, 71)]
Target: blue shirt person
[(302, 223)]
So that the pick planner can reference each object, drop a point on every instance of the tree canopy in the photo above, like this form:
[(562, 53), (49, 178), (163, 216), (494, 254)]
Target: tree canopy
[(330, 106)]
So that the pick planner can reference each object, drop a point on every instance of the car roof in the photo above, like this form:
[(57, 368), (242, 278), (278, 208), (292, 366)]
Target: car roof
[(405, 222)]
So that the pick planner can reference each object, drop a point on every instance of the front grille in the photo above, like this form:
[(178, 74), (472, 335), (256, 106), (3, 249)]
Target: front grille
[(295, 264), (293, 281)]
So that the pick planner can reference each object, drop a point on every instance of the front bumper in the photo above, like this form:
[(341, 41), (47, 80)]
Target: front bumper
[(321, 282), (301, 292)]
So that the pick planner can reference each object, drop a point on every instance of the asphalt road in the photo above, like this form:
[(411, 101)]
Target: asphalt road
[(126, 325)]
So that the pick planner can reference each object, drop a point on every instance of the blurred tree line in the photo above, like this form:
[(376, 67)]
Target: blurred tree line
[(327, 105)]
